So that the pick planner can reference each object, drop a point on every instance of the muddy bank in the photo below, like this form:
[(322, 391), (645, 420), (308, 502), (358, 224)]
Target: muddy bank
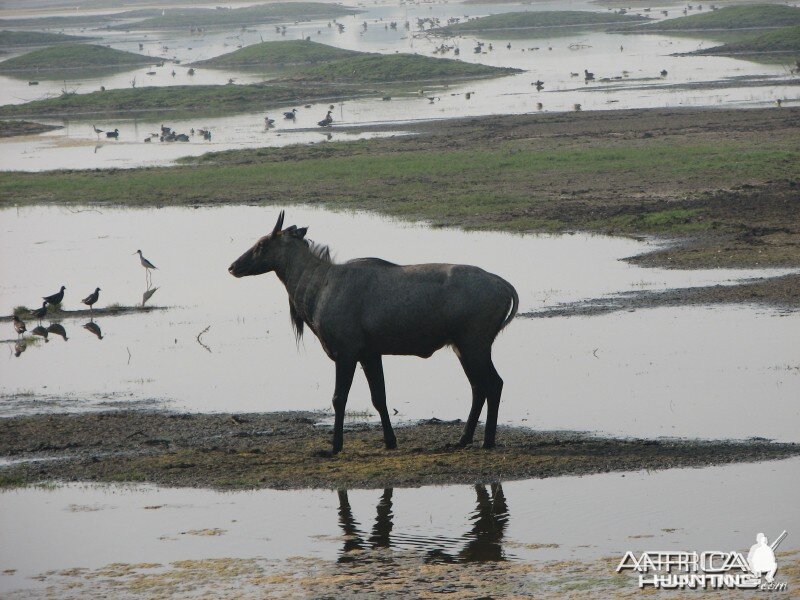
[(14, 128), (282, 450), (782, 293)]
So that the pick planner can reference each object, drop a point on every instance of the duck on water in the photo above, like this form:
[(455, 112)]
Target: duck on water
[(365, 308)]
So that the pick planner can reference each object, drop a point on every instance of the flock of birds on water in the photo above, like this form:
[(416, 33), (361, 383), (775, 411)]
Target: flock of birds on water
[(167, 134), (55, 300)]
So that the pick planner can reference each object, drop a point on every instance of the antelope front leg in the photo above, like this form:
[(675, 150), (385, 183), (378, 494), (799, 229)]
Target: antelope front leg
[(345, 369)]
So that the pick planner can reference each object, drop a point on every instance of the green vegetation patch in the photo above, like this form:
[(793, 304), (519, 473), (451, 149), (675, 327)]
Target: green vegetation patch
[(178, 18), (74, 56), (36, 38), (733, 17), (540, 20), (520, 187), (375, 68), (197, 99), (274, 55), (780, 41)]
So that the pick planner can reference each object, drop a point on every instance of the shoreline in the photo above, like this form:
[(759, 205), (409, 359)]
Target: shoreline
[(281, 450)]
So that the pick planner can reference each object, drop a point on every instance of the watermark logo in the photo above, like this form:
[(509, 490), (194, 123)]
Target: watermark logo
[(711, 569)]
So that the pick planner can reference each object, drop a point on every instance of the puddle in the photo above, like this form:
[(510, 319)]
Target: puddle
[(568, 518), (550, 59), (660, 372)]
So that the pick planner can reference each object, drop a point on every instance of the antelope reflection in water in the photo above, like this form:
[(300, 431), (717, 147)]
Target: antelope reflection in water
[(483, 542)]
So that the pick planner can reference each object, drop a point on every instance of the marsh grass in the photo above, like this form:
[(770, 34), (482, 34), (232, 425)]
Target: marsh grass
[(551, 21), (475, 187), (73, 56)]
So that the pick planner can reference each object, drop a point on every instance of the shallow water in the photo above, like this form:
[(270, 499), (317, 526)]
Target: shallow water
[(694, 372), (581, 518), (550, 59)]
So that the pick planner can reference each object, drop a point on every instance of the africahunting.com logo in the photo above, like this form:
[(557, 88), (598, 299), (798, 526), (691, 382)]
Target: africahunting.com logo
[(708, 570)]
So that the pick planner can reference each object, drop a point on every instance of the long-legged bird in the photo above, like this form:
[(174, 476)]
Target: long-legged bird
[(146, 264)]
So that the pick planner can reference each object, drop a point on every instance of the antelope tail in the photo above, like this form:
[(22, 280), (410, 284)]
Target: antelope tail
[(514, 306)]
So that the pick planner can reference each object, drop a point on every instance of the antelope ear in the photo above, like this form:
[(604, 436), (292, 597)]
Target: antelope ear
[(301, 232), (277, 229), (290, 230)]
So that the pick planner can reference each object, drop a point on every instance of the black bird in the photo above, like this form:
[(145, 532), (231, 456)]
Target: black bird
[(113, 134), (94, 328), (664, 72), (91, 299), (539, 85), (326, 122), (55, 298), (290, 114), (39, 313), (587, 75), (19, 325)]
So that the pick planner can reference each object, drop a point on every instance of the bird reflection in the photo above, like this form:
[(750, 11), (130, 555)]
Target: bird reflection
[(58, 329), (483, 542), (19, 348), (94, 328), (148, 294), (41, 332)]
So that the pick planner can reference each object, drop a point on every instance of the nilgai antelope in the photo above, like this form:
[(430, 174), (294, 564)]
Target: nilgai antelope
[(365, 308)]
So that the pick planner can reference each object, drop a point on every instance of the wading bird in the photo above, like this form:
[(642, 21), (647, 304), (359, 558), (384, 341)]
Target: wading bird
[(39, 313), (97, 131), (91, 299), (365, 308), (19, 325), (146, 264), (55, 298)]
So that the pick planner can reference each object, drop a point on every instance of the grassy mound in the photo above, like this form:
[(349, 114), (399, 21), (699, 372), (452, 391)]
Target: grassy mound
[(549, 20), (74, 56), (240, 17), (392, 68), (272, 55), (35, 38), (783, 42), (195, 99), (733, 17)]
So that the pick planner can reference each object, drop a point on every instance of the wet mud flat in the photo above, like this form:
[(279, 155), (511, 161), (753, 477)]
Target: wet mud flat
[(284, 450), (367, 568), (779, 293)]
